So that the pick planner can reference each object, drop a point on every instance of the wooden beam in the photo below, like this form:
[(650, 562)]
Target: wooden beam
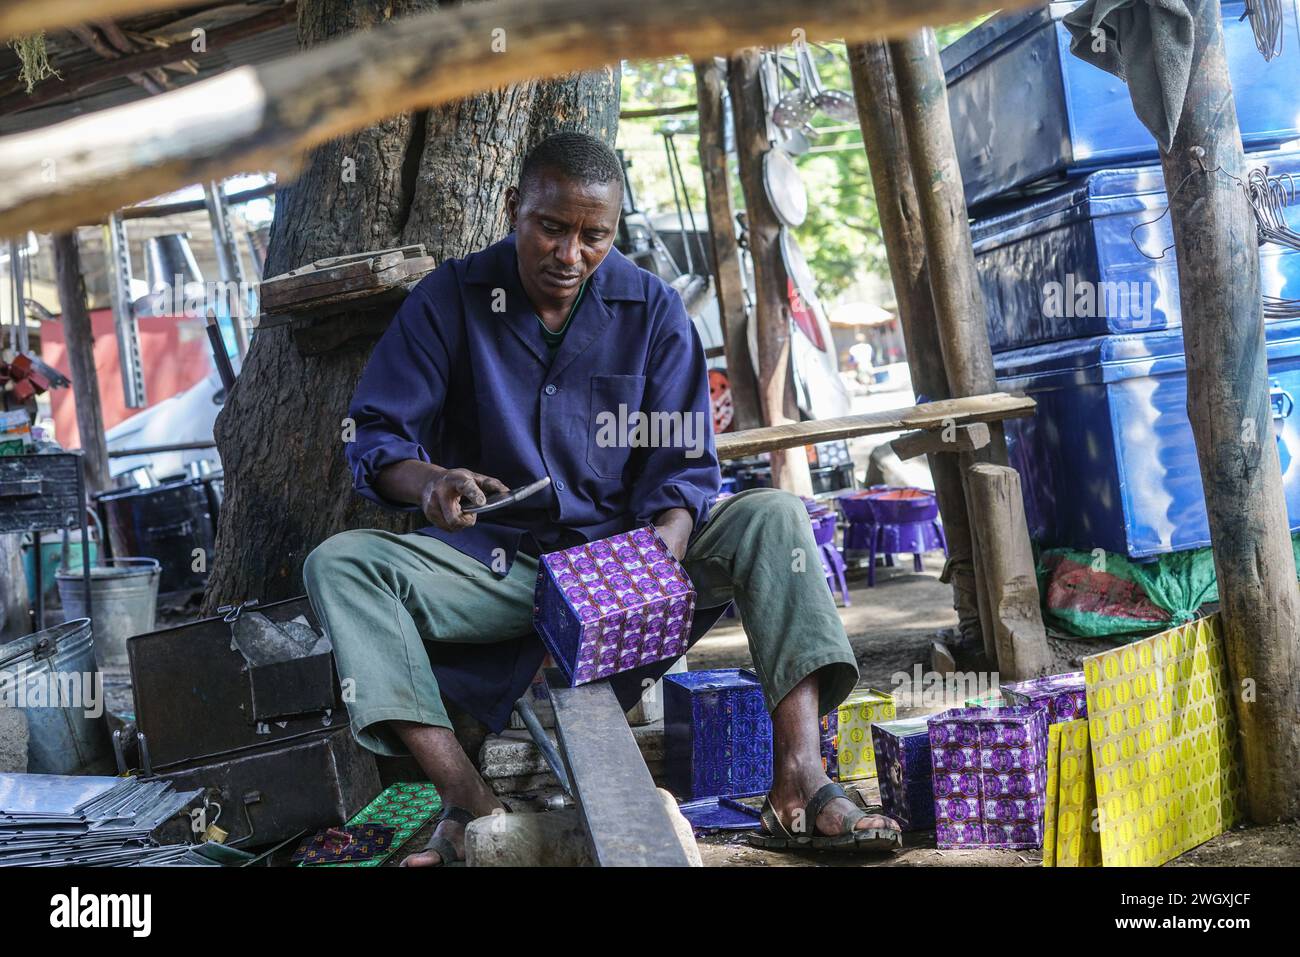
[(953, 439), (1007, 558), (650, 113), (14, 98), (710, 83), (775, 383), (23, 17), (262, 117), (1228, 405), (81, 358), (885, 140), (626, 822), (931, 415)]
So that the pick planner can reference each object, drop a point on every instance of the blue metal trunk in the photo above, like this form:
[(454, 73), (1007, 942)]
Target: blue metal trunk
[(1024, 107), (1109, 460), (1107, 231)]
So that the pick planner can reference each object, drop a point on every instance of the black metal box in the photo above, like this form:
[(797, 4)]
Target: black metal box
[(40, 491), (271, 793), (198, 695)]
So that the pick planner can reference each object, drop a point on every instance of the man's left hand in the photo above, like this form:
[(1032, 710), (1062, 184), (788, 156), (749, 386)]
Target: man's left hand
[(674, 527)]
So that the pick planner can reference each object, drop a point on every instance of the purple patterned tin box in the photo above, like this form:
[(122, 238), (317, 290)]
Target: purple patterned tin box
[(990, 776), (904, 771), (613, 605), (1062, 696)]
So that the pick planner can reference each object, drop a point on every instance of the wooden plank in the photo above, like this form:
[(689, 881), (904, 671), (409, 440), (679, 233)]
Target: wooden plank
[(960, 438), (624, 815), (264, 116), (22, 17), (15, 98), (994, 407), (1007, 558), (1228, 405)]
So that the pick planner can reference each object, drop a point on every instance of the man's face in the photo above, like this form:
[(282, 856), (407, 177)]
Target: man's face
[(563, 231)]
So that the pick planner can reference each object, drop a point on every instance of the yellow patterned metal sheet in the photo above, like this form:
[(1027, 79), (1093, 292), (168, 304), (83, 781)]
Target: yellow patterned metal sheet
[(1164, 744)]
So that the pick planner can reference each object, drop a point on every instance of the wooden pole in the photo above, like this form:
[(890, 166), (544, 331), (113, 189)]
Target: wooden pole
[(885, 141), (1228, 405), (266, 116), (958, 302), (771, 301), (1018, 632), (709, 85), (80, 338)]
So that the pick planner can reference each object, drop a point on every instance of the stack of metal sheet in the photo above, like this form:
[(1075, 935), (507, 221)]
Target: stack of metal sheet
[(55, 820)]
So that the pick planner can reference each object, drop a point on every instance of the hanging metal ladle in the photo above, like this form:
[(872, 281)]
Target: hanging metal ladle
[(836, 104)]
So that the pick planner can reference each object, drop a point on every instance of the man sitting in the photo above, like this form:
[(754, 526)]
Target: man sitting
[(507, 366)]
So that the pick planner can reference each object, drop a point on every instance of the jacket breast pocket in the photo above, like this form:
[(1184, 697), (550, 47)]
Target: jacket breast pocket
[(615, 404)]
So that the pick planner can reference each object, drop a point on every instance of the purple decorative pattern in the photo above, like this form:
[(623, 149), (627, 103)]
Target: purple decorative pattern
[(990, 776), (1061, 696), (613, 605)]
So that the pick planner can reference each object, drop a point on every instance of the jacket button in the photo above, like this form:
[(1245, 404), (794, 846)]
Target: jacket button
[(559, 486), (550, 389)]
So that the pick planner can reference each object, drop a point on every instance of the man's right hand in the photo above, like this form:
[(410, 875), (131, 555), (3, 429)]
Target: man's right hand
[(443, 495)]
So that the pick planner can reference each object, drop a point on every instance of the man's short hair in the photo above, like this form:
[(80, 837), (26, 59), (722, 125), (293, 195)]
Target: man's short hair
[(576, 156)]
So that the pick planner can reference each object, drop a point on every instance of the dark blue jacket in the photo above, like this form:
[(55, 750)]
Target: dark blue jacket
[(462, 377)]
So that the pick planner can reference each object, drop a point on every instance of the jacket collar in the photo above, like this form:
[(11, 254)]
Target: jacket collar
[(616, 278)]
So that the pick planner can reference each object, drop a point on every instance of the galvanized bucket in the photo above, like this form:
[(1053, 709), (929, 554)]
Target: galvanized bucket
[(125, 599), (51, 677)]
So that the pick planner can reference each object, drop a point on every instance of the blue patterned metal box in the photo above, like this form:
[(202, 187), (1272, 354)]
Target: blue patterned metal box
[(717, 734), (904, 771)]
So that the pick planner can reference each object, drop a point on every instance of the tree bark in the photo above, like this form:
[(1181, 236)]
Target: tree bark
[(710, 83), (1228, 405), (81, 360), (771, 299), (436, 177), (885, 141)]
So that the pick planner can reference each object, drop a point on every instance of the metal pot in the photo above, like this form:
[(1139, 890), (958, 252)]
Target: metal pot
[(51, 677)]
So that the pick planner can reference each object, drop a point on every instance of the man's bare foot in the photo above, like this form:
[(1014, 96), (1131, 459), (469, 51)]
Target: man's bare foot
[(794, 787), (484, 803)]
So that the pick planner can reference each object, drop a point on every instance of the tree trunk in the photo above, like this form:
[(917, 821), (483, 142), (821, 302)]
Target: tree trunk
[(710, 83), (771, 301), (436, 177), (1228, 405), (885, 141)]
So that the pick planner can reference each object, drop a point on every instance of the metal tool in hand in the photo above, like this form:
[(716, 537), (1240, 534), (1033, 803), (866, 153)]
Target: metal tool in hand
[(508, 498)]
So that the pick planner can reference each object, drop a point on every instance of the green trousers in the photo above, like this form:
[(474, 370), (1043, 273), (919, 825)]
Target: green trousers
[(380, 596)]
